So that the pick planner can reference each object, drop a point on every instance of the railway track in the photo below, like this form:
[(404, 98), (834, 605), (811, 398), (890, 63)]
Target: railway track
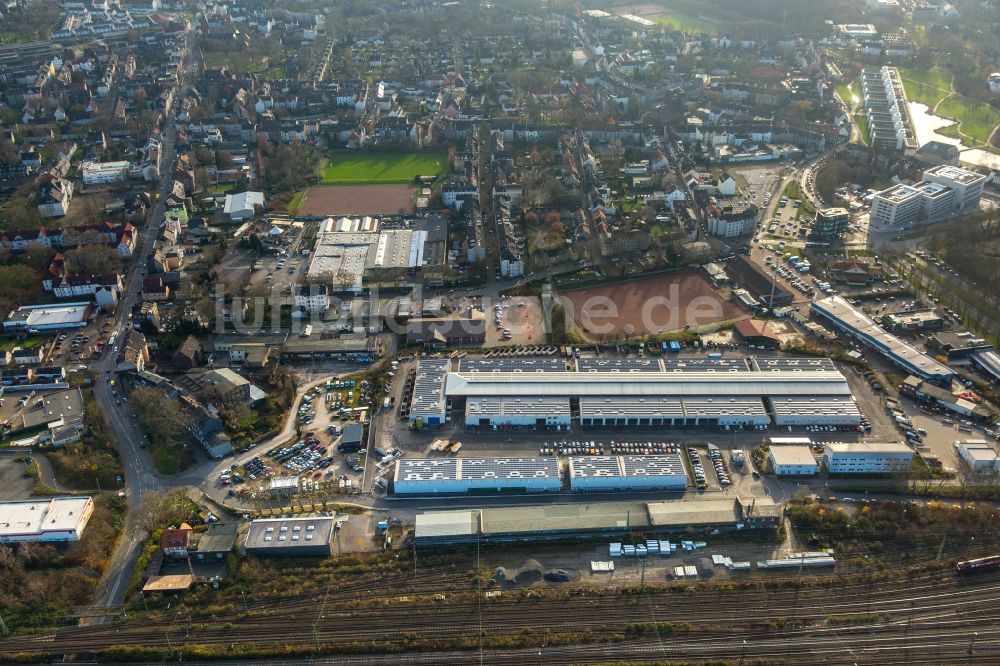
[(932, 608)]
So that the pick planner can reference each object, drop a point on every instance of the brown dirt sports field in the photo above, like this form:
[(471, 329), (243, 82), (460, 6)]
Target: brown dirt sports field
[(336, 200), (649, 306)]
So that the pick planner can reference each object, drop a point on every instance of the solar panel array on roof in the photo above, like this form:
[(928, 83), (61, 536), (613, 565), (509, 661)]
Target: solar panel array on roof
[(428, 390), (513, 364), (425, 469), (593, 466), (774, 364), (665, 471), (527, 406), (460, 475), (665, 465), (703, 364), (599, 407), (798, 404), (508, 468), (618, 365)]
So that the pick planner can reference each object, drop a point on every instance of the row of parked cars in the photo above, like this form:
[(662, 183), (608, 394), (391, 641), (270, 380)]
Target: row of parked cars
[(720, 467)]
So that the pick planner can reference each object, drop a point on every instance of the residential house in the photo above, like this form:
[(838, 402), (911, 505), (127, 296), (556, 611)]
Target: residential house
[(50, 375), (27, 355), (135, 355), (54, 196), (230, 387), (189, 355), (155, 289), (209, 431), (174, 542)]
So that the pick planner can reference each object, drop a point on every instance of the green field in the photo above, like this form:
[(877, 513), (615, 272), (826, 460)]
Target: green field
[(381, 168), (976, 119), (927, 86), (847, 92), (296, 202), (686, 23), (862, 121)]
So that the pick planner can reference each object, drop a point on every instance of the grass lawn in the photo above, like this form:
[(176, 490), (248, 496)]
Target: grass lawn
[(975, 118), (383, 168), (686, 23), (296, 202), (169, 459), (862, 121), (927, 86), (847, 92), (9, 343)]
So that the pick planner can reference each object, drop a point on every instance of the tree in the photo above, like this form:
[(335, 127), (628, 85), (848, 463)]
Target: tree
[(160, 509), (159, 417), (38, 256), (93, 260), (9, 154)]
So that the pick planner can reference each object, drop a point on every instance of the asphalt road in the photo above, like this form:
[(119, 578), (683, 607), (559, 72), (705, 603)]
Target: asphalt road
[(140, 479)]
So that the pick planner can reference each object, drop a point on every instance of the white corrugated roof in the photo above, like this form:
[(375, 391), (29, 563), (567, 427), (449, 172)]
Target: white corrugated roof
[(656, 384)]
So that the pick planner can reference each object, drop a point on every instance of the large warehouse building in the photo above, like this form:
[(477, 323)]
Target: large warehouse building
[(660, 472), (284, 537), (439, 476), (673, 392), (866, 457), (56, 519), (574, 521), (854, 323)]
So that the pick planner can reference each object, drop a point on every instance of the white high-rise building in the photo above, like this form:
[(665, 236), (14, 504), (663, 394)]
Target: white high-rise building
[(944, 190)]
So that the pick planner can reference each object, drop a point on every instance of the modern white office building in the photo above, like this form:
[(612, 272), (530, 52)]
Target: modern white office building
[(866, 457), (944, 190), (967, 185), (103, 173), (610, 473), (55, 519), (793, 460), (440, 476)]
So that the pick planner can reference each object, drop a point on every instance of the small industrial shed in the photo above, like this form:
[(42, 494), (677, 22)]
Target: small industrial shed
[(793, 460)]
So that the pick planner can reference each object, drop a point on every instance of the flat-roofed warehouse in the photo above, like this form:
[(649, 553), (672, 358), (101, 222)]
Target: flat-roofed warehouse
[(53, 519), (50, 317), (433, 476), (429, 401), (287, 537), (702, 395), (675, 516), (793, 460), (618, 411), (658, 472), (529, 523), (531, 411), (801, 410), (575, 521), (848, 319)]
